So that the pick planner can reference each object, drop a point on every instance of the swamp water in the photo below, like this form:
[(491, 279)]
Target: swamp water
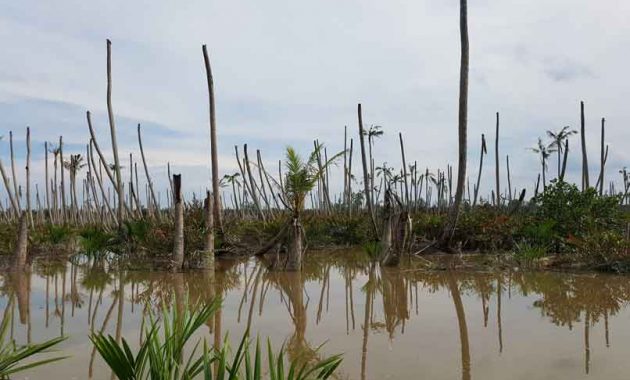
[(402, 323)]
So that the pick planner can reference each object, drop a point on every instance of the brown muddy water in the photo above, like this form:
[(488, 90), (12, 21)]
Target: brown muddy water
[(402, 323)]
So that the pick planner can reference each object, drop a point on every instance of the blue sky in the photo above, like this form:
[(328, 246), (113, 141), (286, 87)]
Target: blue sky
[(289, 72)]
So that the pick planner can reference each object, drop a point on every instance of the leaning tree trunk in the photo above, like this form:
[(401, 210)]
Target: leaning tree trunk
[(483, 151), (585, 181), (13, 172), (112, 127), (366, 179), (496, 163), (216, 191), (14, 207), (453, 215), (296, 245), (46, 179), (178, 240), (149, 181)]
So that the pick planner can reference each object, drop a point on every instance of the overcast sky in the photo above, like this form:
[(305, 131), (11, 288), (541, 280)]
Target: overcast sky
[(287, 72)]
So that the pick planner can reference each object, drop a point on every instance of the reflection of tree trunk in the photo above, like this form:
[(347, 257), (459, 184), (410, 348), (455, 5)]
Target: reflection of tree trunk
[(294, 288), (606, 329), (121, 304), (587, 341), (395, 301), (366, 320), (108, 315), (63, 302), (463, 328), (47, 299), (499, 325), (254, 291)]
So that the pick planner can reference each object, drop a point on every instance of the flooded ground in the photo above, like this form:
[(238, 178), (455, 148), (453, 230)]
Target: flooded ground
[(390, 323)]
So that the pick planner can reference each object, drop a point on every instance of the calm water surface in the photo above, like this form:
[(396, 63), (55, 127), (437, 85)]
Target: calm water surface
[(390, 323)]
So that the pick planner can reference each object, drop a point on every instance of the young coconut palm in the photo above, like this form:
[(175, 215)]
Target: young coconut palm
[(545, 152), (301, 177), (557, 142)]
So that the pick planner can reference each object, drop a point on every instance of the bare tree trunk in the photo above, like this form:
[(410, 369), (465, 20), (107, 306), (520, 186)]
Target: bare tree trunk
[(483, 151), (462, 127), (252, 183), (216, 191), (564, 159), (602, 161), (21, 247), (209, 241), (112, 127), (46, 178), (509, 179), (13, 173), (63, 182), (99, 180), (345, 165), (296, 245), (349, 191), (585, 182), (366, 178), (496, 162), (149, 181), (28, 177), (178, 243), (14, 206), (404, 163)]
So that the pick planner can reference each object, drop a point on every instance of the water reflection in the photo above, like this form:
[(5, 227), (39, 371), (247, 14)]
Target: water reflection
[(390, 322)]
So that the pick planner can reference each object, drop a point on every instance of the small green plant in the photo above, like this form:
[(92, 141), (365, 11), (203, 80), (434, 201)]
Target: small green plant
[(58, 234), (12, 357), (161, 355), (95, 240), (527, 254)]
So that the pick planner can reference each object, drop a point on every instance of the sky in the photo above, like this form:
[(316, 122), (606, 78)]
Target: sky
[(287, 72)]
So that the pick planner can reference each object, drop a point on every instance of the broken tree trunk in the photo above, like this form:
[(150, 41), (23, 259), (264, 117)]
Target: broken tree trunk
[(216, 191), (366, 179), (178, 240)]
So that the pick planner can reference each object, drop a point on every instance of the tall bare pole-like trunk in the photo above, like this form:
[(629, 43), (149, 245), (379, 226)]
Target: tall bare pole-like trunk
[(564, 159), (178, 240), (216, 191), (112, 127), (46, 178), (509, 179), (345, 165), (404, 164), (28, 177), (13, 172), (585, 181), (349, 190), (602, 161), (149, 181), (483, 152), (63, 181), (497, 166), (453, 214), (366, 178)]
